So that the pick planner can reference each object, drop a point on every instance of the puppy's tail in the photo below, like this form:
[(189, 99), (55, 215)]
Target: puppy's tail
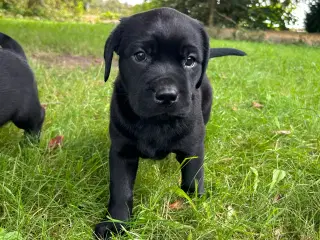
[(10, 44), (220, 52)]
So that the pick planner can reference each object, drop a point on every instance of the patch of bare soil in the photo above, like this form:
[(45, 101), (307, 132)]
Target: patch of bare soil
[(67, 61)]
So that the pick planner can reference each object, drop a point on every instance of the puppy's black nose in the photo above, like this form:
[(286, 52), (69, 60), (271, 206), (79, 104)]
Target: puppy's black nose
[(166, 96)]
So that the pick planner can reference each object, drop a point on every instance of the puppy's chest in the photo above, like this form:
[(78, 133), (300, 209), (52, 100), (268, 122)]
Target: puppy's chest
[(156, 142)]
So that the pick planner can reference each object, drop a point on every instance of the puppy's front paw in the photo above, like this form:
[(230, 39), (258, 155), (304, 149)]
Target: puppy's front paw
[(104, 230)]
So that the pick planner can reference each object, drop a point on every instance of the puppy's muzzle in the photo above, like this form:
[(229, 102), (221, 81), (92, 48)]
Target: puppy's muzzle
[(166, 96)]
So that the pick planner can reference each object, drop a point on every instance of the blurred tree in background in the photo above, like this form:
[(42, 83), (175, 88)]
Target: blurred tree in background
[(312, 21), (250, 14), (42, 8), (253, 14), (61, 9)]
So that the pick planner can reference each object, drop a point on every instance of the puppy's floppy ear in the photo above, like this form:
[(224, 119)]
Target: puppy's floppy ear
[(112, 45), (206, 55)]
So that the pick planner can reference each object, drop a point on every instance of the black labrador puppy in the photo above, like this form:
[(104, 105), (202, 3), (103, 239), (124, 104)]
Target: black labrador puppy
[(19, 100), (160, 104)]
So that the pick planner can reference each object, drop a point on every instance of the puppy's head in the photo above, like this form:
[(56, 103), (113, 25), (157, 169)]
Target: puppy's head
[(163, 55)]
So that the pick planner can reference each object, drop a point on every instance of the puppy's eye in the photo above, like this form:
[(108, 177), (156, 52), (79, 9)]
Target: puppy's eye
[(190, 62), (140, 56)]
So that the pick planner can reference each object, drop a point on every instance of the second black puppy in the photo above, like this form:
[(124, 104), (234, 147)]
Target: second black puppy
[(161, 101), (19, 101)]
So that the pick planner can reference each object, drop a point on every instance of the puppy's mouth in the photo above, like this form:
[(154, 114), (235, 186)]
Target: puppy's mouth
[(178, 114), (163, 112), (164, 116)]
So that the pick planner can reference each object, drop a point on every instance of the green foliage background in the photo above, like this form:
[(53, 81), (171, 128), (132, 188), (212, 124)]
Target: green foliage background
[(250, 14)]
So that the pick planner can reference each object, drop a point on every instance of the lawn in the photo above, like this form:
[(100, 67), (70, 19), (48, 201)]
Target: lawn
[(262, 164)]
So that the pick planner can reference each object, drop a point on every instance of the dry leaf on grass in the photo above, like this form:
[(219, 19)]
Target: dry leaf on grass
[(44, 106), (176, 205), (277, 198), (278, 232), (56, 142), (257, 105), (234, 108), (231, 212), (283, 132)]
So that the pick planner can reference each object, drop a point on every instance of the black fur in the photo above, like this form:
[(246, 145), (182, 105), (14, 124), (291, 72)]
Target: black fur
[(159, 105), (8, 43), (19, 101)]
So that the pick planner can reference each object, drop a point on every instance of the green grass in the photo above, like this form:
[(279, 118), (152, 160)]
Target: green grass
[(59, 37), (61, 194)]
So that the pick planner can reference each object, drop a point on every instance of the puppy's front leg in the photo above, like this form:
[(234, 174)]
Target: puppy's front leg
[(192, 169), (123, 169)]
